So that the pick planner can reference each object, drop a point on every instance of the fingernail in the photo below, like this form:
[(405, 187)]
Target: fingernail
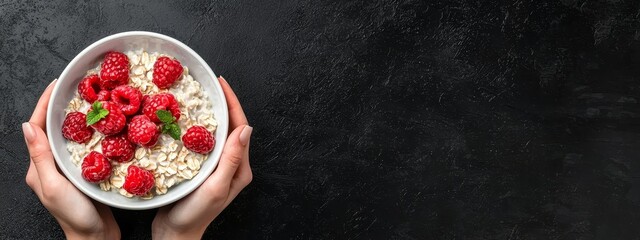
[(28, 131), (245, 135), (222, 78)]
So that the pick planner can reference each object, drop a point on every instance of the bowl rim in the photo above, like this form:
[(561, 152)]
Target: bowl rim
[(221, 120)]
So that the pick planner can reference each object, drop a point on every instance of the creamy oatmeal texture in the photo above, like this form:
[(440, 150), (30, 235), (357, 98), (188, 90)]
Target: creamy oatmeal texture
[(170, 162)]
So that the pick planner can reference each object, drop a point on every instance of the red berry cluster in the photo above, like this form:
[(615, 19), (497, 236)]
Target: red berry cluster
[(116, 105)]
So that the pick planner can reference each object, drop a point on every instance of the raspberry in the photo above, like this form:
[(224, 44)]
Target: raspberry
[(114, 70), (143, 131), (104, 95), (95, 167), (161, 101), (118, 148), (153, 140), (138, 181), (75, 128), (113, 123), (89, 88), (198, 139), (166, 71), (127, 98)]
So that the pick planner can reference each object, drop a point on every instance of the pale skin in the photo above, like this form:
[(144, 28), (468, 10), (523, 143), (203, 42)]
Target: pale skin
[(185, 219)]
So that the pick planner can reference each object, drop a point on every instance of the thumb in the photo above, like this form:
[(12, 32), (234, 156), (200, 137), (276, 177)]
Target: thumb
[(39, 151), (236, 150)]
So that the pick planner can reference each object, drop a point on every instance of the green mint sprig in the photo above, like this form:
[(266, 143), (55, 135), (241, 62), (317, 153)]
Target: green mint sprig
[(169, 126), (96, 113)]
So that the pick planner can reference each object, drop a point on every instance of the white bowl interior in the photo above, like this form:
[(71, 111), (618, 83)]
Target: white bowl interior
[(66, 87)]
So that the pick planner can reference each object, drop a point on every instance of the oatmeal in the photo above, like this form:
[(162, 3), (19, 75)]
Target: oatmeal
[(169, 160)]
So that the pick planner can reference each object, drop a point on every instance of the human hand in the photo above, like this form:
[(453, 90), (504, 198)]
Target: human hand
[(79, 217), (189, 217)]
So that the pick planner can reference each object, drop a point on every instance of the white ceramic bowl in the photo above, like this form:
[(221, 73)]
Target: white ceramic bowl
[(66, 87)]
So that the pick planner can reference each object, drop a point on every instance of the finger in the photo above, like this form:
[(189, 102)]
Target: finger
[(39, 115), (107, 217), (32, 179), (103, 210), (236, 114), (241, 179), (40, 153), (235, 151)]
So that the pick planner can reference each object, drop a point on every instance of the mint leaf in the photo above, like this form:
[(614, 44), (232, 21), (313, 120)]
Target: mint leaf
[(166, 128), (169, 125), (96, 113), (175, 131), (165, 116), (172, 129)]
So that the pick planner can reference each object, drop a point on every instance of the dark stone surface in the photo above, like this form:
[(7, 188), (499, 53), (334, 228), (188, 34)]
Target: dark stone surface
[(386, 119)]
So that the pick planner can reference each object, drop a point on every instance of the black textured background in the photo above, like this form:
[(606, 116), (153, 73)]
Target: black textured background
[(466, 119)]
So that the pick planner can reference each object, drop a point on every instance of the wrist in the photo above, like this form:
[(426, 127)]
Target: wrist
[(162, 231), (170, 234), (73, 234)]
